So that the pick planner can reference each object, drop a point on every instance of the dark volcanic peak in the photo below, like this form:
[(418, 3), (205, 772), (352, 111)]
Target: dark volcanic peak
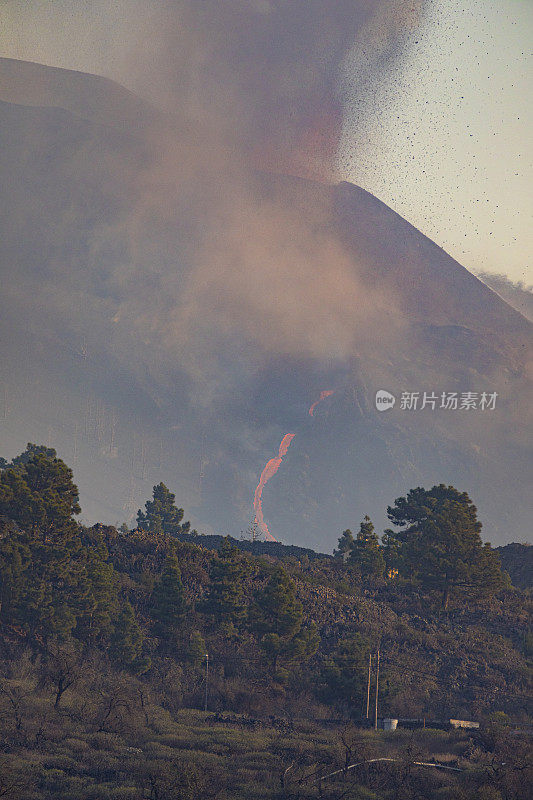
[(434, 286), (165, 318)]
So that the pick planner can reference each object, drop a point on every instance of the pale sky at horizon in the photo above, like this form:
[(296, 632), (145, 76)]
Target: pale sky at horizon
[(448, 133), (444, 138)]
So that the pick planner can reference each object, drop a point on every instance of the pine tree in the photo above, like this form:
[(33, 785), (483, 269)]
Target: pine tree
[(197, 649), (305, 643), (98, 594), (39, 499), (226, 591), (31, 451), (346, 545), (15, 563), (169, 606), (391, 553), (366, 552), (344, 672), (161, 514), (276, 608), (127, 642), (276, 617), (39, 495), (440, 542)]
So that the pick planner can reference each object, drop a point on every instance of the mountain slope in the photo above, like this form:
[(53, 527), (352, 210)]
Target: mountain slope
[(90, 97), (100, 243)]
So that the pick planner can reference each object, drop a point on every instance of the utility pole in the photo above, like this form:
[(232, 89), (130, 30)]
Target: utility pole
[(368, 686), (206, 679), (377, 692)]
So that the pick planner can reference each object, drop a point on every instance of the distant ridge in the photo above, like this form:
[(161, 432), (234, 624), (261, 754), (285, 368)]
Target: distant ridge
[(275, 549), (90, 97)]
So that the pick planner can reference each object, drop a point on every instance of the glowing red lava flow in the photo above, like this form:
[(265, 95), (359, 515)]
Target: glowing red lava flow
[(323, 395), (270, 469)]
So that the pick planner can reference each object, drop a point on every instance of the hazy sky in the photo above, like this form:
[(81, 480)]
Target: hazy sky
[(446, 135), (448, 141)]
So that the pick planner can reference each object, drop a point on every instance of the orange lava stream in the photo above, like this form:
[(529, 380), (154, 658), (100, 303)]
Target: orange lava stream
[(270, 469), (323, 395)]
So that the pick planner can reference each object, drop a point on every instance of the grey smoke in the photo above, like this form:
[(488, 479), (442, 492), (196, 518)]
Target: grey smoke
[(161, 272)]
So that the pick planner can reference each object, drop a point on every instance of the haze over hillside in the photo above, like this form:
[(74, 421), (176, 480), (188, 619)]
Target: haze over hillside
[(170, 318)]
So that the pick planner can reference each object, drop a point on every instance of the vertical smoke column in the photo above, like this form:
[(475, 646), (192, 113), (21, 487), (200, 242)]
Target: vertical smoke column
[(261, 75), (264, 76), (270, 469)]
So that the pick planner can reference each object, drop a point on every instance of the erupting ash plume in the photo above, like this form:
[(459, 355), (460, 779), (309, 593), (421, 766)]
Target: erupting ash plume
[(190, 271), (270, 469), (325, 393), (269, 70), (258, 75)]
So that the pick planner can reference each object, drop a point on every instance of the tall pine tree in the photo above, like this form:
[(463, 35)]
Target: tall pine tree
[(366, 551), (225, 600), (161, 514), (276, 616), (440, 542), (39, 500), (98, 597), (127, 642), (345, 546), (169, 606)]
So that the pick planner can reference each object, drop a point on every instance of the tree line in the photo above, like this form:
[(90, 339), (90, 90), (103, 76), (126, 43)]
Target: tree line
[(123, 593), (58, 582)]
